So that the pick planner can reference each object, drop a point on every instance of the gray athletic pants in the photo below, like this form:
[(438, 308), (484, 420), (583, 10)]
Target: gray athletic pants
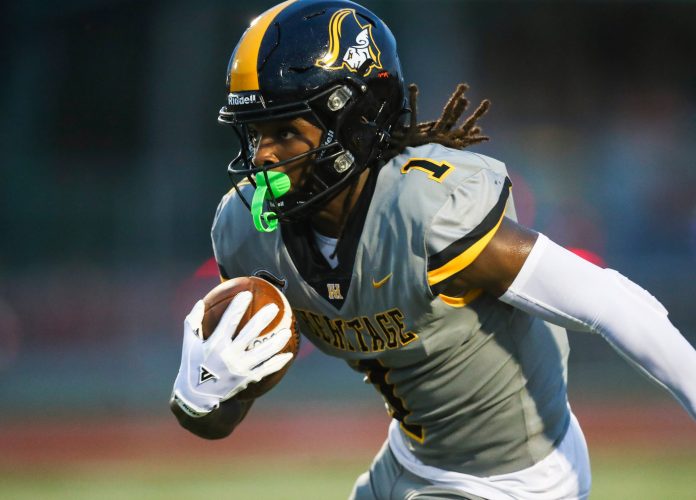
[(388, 480)]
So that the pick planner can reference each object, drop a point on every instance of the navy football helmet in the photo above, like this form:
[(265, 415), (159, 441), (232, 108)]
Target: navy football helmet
[(332, 62)]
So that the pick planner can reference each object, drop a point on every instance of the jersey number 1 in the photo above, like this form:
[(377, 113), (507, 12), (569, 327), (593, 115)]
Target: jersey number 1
[(377, 375), (436, 171)]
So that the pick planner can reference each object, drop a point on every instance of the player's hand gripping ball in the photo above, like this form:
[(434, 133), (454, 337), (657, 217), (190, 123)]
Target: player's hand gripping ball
[(263, 292)]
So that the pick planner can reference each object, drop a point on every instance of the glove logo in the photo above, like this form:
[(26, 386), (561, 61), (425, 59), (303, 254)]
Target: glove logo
[(205, 375), (344, 25)]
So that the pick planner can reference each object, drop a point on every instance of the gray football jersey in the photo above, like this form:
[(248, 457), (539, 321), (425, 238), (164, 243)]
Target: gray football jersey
[(478, 386)]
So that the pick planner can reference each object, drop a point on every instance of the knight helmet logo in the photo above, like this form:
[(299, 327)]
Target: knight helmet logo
[(350, 44)]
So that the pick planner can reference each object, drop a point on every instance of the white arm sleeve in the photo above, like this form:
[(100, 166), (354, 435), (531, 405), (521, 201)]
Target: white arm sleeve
[(564, 289)]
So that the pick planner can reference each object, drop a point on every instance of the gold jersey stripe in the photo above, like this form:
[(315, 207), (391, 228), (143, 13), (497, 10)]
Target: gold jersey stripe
[(463, 259), (244, 74), (415, 437), (461, 301)]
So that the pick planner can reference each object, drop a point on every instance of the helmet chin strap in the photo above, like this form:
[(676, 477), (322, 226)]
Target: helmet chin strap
[(279, 182)]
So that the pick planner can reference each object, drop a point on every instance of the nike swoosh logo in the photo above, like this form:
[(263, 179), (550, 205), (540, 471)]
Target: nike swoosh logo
[(381, 282)]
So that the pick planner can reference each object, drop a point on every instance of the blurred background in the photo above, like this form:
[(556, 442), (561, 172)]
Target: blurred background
[(113, 164)]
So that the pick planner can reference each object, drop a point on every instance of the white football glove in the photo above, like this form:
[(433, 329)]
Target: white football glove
[(214, 370)]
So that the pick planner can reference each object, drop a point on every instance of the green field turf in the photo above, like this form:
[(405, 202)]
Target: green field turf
[(617, 474)]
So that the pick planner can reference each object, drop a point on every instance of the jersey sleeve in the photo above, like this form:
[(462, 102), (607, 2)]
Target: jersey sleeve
[(231, 226), (215, 236), (464, 225)]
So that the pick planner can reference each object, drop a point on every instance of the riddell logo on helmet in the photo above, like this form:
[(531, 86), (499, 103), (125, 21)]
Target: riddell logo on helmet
[(351, 45), (243, 99)]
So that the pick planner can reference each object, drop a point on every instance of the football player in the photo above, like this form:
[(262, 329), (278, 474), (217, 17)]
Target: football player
[(400, 253)]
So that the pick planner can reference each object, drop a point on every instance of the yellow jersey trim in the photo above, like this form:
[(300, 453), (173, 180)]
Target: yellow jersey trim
[(463, 259), (461, 301), (420, 439)]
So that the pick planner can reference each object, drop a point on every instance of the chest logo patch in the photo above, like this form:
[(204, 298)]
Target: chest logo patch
[(334, 291)]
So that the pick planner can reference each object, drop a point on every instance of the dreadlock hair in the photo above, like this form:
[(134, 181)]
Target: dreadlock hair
[(439, 131)]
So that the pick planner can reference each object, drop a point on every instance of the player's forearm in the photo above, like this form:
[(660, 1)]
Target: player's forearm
[(217, 424), (564, 289)]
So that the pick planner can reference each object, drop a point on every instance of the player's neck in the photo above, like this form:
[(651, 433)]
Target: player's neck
[(330, 218)]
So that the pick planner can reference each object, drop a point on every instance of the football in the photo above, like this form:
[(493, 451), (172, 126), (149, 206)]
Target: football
[(263, 292)]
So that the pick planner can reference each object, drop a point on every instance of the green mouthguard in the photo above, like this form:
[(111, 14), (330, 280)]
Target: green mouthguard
[(266, 222)]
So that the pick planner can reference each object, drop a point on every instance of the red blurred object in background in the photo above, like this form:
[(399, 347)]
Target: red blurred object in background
[(589, 256), (208, 269)]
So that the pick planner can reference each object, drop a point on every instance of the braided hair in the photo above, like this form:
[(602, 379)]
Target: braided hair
[(439, 131)]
